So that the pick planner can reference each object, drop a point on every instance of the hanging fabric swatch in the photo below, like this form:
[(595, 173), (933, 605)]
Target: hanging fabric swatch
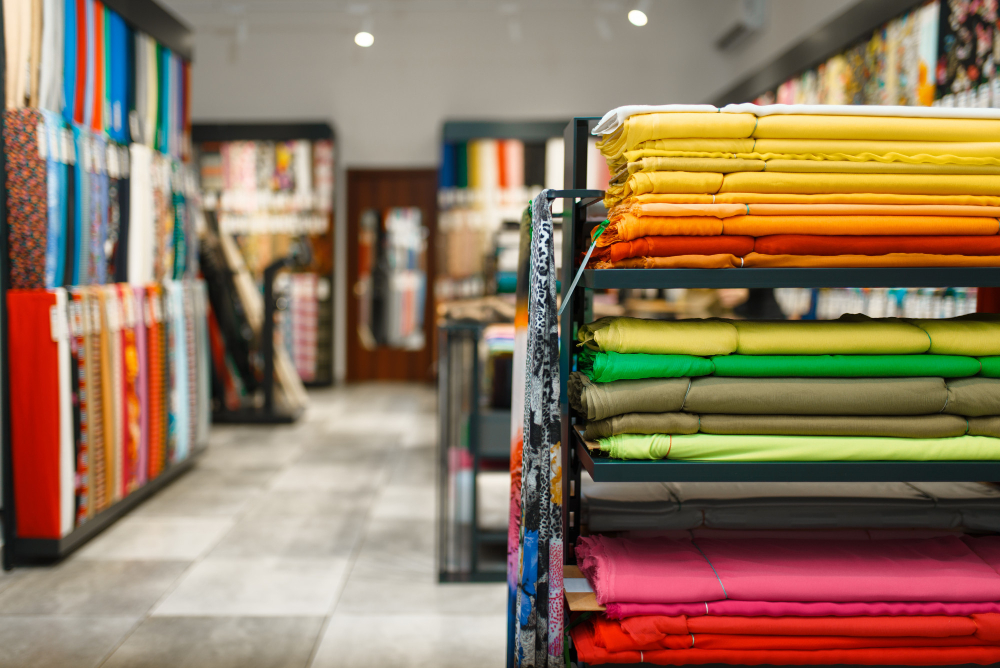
[(78, 349), (27, 197), (50, 94), (142, 382), (539, 607)]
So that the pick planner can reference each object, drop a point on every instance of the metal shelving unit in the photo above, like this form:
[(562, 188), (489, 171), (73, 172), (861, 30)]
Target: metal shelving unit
[(577, 457)]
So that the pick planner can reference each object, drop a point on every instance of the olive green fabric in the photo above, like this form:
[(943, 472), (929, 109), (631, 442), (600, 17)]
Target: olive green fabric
[(991, 367), (830, 337), (910, 426), (816, 396), (973, 397), (985, 426), (845, 366), (606, 367), (726, 448), (642, 423), (597, 401)]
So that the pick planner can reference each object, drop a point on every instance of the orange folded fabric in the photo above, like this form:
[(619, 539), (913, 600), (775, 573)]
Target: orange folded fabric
[(760, 226), (834, 198), (804, 244), (890, 260), (674, 246), (628, 227), (864, 209), (719, 261)]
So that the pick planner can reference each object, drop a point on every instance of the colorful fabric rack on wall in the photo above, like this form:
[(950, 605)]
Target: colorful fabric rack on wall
[(109, 387), (800, 186)]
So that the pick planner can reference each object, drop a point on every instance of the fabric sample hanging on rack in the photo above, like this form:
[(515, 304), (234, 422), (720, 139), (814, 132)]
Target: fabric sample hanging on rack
[(27, 197)]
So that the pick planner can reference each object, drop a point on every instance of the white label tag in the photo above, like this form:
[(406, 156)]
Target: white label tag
[(112, 160), (43, 140), (112, 311), (75, 319), (54, 328)]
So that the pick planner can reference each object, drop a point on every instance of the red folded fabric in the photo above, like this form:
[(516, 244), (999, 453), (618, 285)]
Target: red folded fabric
[(599, 641), (677, 245), (807, 244)]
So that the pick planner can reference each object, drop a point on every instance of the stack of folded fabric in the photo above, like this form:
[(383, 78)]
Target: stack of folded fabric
[(854, 389), (800, 186), (755, 506), (782, 600)]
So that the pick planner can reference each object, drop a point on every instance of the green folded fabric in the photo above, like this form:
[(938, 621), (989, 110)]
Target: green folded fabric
[(597, 401), (607, 367), (991, 367), (973, 397), (815, 396), (845, 366), (898, 426), (711, 447), (642, 423)]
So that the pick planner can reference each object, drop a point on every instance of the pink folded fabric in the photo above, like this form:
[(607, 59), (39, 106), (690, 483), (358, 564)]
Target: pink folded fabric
[(671, 571), (799, 609)]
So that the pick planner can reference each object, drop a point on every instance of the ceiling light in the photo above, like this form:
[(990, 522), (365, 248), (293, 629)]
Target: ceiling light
[(365, 39), (637, 17)]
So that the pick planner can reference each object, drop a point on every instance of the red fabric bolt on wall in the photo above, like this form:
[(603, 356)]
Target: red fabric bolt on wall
[(34, 412)]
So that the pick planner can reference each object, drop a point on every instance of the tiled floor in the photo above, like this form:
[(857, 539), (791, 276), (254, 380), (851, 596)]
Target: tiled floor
[(309, 545)]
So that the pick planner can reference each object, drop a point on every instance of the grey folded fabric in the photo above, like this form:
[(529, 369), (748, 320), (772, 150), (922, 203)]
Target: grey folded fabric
[(601, 400), (816, 396), (910, 426), (973, 397)]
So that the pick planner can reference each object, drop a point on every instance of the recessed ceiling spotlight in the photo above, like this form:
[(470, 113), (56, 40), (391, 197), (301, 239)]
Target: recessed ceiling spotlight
[(637, 17), (364, 39)]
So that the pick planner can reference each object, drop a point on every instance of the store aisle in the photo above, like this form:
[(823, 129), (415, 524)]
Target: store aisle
[(305, 545)]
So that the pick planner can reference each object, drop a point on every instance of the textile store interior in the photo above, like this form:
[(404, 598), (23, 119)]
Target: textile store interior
[(443, 333)]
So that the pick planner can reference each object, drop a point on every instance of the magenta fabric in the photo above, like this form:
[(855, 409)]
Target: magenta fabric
[(671, 571), (798, 609), (986, 548)]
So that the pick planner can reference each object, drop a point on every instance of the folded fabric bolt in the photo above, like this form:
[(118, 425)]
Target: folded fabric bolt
[(864, 226), (891, 260), (702, 164), (605, 367), (658, 570), (645, 127), (991, 367), (748, 448), (962, 336), (680, 337), (918, 426), (801, 609), (802, 244), (783, 182), (676, 262), (974, 397), (853, 167), (600, 400), (823, 150), (807, 209), (666, 246), (872, 128), (851, 198), (838, 366)]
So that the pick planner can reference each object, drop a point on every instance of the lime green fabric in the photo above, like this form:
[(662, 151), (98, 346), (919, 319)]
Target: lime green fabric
[(658, 337), (606, 367), (845, 366), (729, 448), (991, 367)]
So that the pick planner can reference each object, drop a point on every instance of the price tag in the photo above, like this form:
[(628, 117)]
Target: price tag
[(43, 140)]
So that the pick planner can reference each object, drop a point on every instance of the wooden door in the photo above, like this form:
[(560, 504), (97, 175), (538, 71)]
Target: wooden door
[(383, 189)]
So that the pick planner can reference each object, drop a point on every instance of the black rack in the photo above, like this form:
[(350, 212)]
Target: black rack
[(149, 17), (577, 456)]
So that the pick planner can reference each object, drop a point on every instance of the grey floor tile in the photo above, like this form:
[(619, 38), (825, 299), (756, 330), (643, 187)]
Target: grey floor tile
[(406, 502), (157, 538), (219, 642), (217, 502), (296, 536), (420, 595), (82, 587), (250, 455), (342, 477), (279, 503), (66, 642), (418, 641), (219, 586), (397, 550)]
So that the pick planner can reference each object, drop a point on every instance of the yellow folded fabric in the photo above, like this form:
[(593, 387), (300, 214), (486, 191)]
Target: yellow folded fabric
[(880, 128), (680, 337), (971, 152), (848, 167), (673, 182), (718, 165), (890, 260), (628, 227), (830, 337), (759, 226), (767, 182), (975, 338), (720, 261), (670, 209), (687, 145), (676, 125), (851, 209)]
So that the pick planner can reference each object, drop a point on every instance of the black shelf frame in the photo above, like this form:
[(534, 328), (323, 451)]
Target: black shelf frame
[(152, 19)]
